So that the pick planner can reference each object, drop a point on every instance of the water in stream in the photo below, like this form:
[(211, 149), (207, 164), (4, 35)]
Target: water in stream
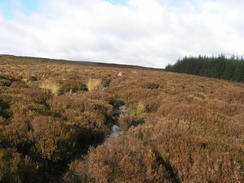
[(116, 131)]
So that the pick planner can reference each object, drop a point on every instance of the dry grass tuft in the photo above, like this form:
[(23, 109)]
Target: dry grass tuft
[(140, 109), (50, 85), (94, 84)]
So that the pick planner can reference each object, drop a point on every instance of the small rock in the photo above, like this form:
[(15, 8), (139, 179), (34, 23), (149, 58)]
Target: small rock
[(120, 74)]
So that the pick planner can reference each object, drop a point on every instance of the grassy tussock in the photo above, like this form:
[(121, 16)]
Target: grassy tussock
[(94, 84), (140, 109), (50, 85)]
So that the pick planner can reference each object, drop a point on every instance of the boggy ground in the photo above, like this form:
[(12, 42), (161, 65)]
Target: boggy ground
[(55, 118)]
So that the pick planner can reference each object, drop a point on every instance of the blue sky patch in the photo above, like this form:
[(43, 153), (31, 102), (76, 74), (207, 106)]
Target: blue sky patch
[(123, 2), (10, 7)]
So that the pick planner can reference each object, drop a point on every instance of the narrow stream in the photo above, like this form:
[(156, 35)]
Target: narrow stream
[(115, 131), (115, 128)]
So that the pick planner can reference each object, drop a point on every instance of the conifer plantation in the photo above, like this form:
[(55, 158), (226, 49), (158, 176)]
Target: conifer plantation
[(216, 67)]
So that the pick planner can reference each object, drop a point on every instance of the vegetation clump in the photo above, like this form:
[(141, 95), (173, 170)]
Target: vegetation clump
[(126, 121), (15, 168), (53, 86), (119, 161), (94, 84)]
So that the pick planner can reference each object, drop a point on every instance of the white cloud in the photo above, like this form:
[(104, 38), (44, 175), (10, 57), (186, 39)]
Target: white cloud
[(143, 32)]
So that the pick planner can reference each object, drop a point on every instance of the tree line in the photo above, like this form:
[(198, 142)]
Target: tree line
[(219, 67)]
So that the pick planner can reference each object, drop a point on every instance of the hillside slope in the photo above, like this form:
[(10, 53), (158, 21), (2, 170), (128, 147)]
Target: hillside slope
[(56, 120)]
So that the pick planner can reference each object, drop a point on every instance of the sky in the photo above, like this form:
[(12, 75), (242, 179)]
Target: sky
[(152, 33)]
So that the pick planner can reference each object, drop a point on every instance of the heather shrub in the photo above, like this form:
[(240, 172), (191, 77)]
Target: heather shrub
[(100, 95), (82, 111), (59, 140), (2, 121), (41, 109), (126, 121), (19, 84), (190, 156), (150, 85), (225, 108), (106, 81), (54, 140), (191, 112), (38, 95), (165, 107), (172, 91), (16, 133), (71, 86), (4, 106), (94, 120), (98, 106), (194, 162), (5, 82), (152, 104), (62, 103), (16, 169), (122, 159), (32, 78), (133, 95)]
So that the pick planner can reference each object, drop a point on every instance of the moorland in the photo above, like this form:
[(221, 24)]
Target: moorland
[(56, 119)]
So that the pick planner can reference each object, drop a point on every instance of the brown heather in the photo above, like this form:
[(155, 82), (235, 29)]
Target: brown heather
[(177, 128)]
